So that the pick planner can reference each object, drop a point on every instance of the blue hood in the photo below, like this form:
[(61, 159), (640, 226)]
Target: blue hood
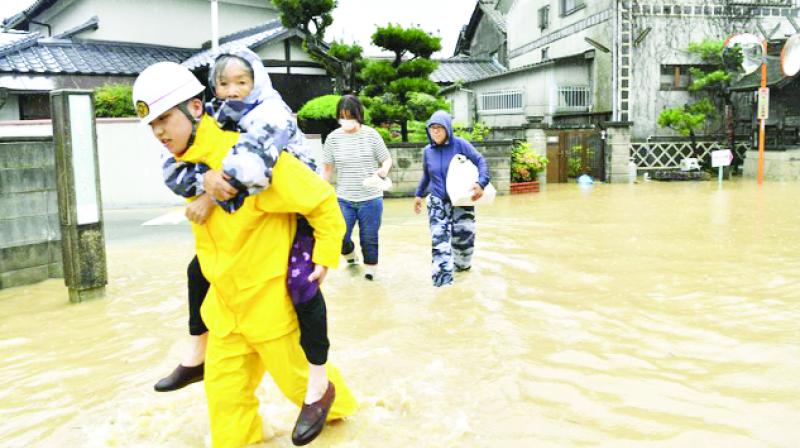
[(442, 118)]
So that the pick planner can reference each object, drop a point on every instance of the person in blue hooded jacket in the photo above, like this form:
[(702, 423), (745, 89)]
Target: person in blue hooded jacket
[(452, 227)]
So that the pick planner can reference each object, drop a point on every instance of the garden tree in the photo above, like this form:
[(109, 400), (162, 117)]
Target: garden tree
[(713, 81), (688, 119), (399, 90), (313, 17)]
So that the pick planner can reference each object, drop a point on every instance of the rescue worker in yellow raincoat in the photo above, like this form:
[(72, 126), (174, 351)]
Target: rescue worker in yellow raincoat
[(252, 323)]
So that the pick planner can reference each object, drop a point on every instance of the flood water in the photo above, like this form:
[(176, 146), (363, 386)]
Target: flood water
[(650, 315)]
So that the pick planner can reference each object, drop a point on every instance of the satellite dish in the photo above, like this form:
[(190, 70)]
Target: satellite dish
[(752, 51), (790, 56)]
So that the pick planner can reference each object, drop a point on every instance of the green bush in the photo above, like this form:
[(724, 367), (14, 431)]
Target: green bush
[(114, 100), (320, 108), (525, 163), (478, 133), (324, 108)]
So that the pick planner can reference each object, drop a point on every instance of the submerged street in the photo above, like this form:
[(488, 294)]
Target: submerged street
[(649, 315)]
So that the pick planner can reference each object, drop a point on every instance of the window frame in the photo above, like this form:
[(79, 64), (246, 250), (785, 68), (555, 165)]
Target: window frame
[(579, 4), (544, 17)]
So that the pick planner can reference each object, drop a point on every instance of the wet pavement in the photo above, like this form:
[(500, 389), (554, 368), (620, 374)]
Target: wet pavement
[(650, 315)]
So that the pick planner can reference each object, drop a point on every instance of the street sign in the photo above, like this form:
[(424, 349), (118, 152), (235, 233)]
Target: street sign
[(763, 103), (720, 158)]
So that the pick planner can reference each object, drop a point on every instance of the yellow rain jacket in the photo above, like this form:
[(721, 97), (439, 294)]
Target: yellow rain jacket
[(240, 252), (252, 323)]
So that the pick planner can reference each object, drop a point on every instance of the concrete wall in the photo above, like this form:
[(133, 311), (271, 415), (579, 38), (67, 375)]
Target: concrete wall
[(778, 165), (30, 249), (153, 21), (130, 168), (407, 170)]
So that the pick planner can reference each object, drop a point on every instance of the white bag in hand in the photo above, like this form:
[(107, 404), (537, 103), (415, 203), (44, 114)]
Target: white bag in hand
[(375, 181), (462, 175)]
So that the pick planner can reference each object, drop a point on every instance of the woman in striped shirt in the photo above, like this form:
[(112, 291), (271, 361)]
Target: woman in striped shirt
[(357, 152)]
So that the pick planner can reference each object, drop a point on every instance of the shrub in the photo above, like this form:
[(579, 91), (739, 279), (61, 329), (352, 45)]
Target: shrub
[(478, 133), (525, 163), (319, 108), (324, 108), (114, 100)]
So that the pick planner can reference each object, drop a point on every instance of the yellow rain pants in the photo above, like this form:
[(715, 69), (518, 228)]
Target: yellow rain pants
[(252, 323)]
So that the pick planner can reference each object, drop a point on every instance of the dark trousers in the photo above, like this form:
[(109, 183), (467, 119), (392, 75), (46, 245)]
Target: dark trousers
[(368, 215), (312, 316), (198, 287)]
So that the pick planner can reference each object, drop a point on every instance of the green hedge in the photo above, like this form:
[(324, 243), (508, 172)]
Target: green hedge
[(114, 100)]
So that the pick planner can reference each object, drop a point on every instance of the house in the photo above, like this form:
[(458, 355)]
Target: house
[(579, 64), (85, 43)]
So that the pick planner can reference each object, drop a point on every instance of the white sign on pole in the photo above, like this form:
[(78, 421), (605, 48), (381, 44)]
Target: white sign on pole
[(763, 103), (723, 157), (83, 167)]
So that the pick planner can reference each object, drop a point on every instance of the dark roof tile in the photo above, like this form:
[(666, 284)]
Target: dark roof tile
[(84, 57), (464, 69)]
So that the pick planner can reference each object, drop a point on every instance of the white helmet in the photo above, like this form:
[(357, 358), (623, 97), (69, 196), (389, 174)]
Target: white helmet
[(162, 86)]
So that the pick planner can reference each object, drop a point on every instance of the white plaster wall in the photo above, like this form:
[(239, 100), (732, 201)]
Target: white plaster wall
[(26, 128), (130, 168), (10, 110), (177, 23), (273, 50), (298, 54)]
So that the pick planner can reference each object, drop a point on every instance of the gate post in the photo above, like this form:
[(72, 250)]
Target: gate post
[(79, 206), (618, 153), (537, 138)]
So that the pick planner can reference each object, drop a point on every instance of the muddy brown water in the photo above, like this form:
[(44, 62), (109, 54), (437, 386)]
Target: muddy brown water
[(650, 315)]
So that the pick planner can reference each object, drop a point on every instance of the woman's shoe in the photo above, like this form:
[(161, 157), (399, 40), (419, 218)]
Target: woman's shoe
[(180, 378), (312, 418)]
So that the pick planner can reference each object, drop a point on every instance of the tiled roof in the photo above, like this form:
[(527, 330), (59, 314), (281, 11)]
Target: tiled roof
[(34, 55), (454, 69), (249, 38)]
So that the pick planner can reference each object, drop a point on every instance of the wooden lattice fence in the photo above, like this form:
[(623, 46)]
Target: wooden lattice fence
[(668, 155)]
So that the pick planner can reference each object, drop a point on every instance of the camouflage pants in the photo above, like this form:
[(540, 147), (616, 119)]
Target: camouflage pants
[(452, 239)]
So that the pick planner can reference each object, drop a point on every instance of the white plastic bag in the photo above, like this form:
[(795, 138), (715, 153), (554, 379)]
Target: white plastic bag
[(375, 181), (462, 175)]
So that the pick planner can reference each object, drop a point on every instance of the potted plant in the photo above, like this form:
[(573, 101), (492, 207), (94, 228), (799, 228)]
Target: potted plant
[(525, 168)]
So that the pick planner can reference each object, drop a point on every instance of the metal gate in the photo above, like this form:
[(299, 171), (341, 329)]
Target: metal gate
[(574, 152)]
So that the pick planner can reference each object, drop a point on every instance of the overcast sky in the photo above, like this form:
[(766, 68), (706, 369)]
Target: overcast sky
[(355, 20)]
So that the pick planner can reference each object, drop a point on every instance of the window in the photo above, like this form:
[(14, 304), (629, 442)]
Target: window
[(570, 6), (34, 107), (545, 53), (544, 17), (501, 101), (574, 98), (677, 77)]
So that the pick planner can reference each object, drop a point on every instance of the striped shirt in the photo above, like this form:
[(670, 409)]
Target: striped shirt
[(356, 157)]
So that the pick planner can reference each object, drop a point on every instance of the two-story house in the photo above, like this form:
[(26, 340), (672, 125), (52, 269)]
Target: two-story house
[(574, 63)]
